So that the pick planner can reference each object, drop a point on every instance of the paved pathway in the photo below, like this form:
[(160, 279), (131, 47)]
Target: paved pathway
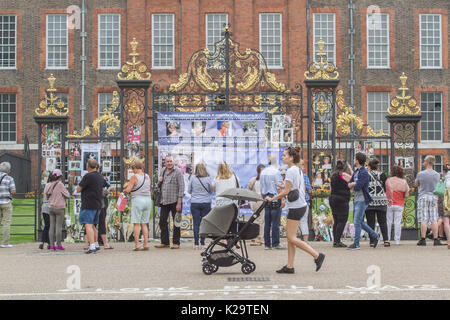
[(399, 272)]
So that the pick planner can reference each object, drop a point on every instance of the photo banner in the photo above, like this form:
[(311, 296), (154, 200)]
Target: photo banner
[(237, 138)]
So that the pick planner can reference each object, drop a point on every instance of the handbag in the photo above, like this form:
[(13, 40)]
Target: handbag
[(447, 200), (156, 193), (293, 195), (440, 189), (177, 220), (121, 202)]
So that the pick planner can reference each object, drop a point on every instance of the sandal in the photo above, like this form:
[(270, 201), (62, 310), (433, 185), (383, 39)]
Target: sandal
[(137, 249), (387, 244)]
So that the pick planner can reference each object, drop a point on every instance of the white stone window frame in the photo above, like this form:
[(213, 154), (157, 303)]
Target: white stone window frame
[(66, 36), (215, 33), (426, 121), (112, 67), (172, 66), (280, 43), (421, 45), (316, 37), (382, 123), (385, 44), (10, 45)]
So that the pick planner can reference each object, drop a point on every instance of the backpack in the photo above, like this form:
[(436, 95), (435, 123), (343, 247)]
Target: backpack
[(376, 191)]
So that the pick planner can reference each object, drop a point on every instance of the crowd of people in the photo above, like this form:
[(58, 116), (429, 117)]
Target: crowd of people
[(376, 197)]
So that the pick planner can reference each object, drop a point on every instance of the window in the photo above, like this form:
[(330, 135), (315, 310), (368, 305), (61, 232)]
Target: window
[(430, 41), (431, 122), (270, 39), (57, 41), (8, 127), (377, 106), (109, 41), (325, 28), (8, 41), (104, 101), (163, 41), (378, 41), (214, 28), (438, 166)]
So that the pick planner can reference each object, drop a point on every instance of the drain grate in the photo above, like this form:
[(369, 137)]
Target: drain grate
[(249, 279)]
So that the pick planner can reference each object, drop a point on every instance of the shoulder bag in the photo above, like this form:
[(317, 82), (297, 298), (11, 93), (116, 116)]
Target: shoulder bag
[(203, 185), (440, 189), (156, 194), (293, 195)]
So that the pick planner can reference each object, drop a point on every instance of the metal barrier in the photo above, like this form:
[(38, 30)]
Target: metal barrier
[(21, 202)]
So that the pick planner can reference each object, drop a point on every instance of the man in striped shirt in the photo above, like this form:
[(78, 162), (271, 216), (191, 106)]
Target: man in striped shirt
[(7, 189)]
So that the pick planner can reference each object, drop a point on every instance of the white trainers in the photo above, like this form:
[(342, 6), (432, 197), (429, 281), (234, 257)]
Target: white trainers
[(6, 246)]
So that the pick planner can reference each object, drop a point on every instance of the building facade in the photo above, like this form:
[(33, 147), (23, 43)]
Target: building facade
[(370, 42)]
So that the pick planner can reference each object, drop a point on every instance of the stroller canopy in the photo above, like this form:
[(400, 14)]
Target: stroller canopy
[(240, 194), (218, 221)]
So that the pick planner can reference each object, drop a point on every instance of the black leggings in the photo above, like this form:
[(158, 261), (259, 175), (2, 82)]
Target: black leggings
[(381, 218), (45, 236), (339, 208)]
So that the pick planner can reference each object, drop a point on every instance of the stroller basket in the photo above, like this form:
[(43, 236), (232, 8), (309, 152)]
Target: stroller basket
[(222, 258), (251, 232)]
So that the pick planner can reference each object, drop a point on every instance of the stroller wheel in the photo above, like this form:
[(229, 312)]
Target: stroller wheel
[(208, 269), (248, 267), (215, 268)]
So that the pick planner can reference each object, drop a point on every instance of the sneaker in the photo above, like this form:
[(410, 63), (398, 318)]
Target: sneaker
[(52, 248), (267, 248), (97, 248), (60, 248), (339, 245), (286, 270), (6, 246), (375, 243), (437, 242), (422, 242), (41, 246), (353, 247), (89, 251), (279, 248), (319, 261)]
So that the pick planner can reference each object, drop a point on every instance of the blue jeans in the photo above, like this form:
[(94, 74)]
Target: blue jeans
[(358, 221), (198, 211), (272, 218)]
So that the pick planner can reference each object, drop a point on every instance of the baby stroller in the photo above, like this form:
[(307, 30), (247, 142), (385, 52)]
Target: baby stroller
[(222, 225)]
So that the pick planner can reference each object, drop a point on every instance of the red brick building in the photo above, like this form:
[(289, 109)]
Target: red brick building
[(43, 37)]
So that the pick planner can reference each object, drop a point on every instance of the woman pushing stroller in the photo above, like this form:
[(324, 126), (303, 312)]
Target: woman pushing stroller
[(294, 190)]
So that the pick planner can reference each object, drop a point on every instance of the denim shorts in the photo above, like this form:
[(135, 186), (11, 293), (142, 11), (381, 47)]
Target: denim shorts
[(88, 216)]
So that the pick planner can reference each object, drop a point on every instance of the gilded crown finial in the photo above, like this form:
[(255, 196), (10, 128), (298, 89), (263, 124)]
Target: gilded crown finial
[(134, 45), (134, 69), (404, 104), (52, 105), (51, 81), (322, 69)]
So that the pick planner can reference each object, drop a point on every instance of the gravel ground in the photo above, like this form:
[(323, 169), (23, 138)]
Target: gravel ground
[(405, 272)]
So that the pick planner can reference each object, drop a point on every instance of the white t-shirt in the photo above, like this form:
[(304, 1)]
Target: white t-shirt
[(222, 185), (294, 176)]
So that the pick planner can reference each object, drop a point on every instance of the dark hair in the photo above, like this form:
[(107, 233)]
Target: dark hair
[(397, 171), (373, 164), (340, 167), (361, 158), (294, 152), (259, 168), (52, 178), (447, 167)]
